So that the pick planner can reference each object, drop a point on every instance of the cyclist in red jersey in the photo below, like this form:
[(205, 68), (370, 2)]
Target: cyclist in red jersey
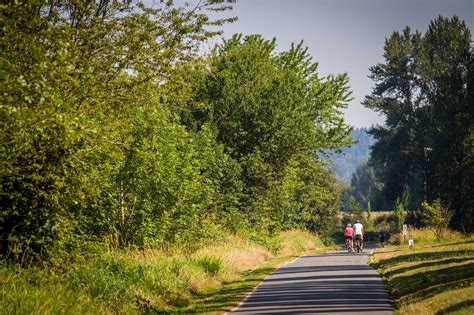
[(349, 234)]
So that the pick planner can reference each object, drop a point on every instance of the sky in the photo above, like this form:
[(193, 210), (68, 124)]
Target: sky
[(342, 35)]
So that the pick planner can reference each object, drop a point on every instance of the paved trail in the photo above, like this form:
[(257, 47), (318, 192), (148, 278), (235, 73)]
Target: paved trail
[(335, 283)]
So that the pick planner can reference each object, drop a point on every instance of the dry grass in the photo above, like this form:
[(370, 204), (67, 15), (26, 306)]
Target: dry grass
[(427, 236), (237, 253), (294, 242)]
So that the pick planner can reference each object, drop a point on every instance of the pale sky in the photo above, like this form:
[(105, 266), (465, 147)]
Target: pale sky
[(342, 35)]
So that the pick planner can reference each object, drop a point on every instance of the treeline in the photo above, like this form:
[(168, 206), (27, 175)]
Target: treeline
[(424, 151), (115, 129)]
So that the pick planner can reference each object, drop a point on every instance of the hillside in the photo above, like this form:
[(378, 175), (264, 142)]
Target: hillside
[(347, 161)]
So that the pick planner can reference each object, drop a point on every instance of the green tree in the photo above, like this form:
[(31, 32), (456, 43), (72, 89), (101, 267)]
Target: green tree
[(274, 116), (354, 208), (399, 215), (369, 211), (114, 129), (270, 110), (436, 216), (397, 96), (422, 89), (444, 70), (307, 196), (366, 185), (72, 73)]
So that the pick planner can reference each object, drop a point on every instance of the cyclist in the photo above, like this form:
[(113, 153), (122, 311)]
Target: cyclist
[(349, 234), (359, 235)]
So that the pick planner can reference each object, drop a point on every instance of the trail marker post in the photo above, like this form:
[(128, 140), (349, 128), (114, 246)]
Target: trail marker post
[(404, 231), (411, 242)]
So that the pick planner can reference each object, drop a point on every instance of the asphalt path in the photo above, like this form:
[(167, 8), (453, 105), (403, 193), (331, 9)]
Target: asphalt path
[(334, 283)]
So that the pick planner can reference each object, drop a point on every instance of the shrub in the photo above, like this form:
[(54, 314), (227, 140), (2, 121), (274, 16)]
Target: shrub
[(399, 215), (211, 265), (436, 216)]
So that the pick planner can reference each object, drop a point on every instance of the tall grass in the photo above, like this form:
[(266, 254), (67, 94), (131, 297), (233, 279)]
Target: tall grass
[(36, 291), (427, 236), (99, 281), (294, 242)]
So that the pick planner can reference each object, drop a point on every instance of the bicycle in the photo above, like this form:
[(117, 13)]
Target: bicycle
[(349, 245), (359, 245)]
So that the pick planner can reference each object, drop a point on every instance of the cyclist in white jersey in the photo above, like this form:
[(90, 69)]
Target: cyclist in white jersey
[(359, 235)]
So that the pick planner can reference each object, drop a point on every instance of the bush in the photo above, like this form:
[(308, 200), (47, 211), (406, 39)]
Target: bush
[(399, 215), (436, 216), (212, 265)]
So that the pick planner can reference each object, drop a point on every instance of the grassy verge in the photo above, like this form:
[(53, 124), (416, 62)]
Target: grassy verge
[(434, 277), (97, 281)]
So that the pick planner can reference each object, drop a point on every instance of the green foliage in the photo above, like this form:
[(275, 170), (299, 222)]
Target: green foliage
[(369, 222), (369, 210), (354, 208), (273, 115), (355, 212), (436, 216), (115, 130), (366, 186), (79, 87), (118, 141), (399, 215), (212, 265), (161, 191), (396, 95)]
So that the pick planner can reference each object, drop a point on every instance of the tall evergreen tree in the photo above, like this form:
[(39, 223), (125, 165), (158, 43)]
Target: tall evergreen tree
[(366, 187), (397, 96), (444, 69)]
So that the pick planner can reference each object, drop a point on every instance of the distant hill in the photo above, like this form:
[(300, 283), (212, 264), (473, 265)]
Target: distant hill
[(346, 162)]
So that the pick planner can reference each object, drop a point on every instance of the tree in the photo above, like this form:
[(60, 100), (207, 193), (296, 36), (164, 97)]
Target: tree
[(274, 116), (399, 215), (73, 73), (366, 186), (422, 90), (116, 130), (444, 70), (354, 208), (436, 216), (397, 96)]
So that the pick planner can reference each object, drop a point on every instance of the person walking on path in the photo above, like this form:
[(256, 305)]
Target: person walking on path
[(382, 236)]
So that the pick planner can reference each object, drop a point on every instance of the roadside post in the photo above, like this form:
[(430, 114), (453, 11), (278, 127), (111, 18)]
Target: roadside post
[(404, 231), (411, 242)]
